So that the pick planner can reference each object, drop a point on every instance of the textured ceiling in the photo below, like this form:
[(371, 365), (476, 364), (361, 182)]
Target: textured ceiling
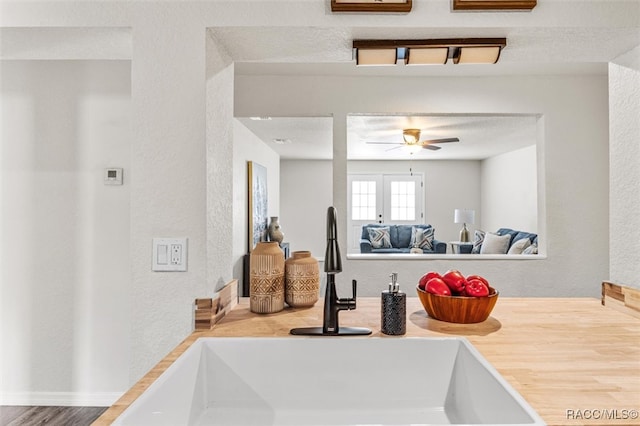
[(304, 137), (333, 44), (304, 37), (481, 136), (557, 38)]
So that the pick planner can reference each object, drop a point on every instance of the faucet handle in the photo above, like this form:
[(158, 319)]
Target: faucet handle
[(352, 301), (349, 303), (354, 286)]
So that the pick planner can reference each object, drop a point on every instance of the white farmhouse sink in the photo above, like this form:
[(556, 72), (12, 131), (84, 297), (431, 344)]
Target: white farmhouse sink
[(330, 381)]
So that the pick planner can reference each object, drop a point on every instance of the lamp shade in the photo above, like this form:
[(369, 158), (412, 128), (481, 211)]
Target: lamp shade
[(478, 55), (464, 216), (383, 56), (427, 56)]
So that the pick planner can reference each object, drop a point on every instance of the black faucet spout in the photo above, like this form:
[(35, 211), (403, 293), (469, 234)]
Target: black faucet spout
[(332, 258)]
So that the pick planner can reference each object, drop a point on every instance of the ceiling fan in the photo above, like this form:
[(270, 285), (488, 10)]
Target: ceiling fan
[(412, 138)]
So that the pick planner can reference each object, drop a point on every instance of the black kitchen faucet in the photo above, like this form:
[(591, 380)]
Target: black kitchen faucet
[(332, 304)]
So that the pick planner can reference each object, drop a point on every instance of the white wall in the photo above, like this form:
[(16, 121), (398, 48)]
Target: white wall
[(451, 185), (181, 179), (306, 191), (624, 134), (248, 147), (65, 264), (448, 185), (510, 191), (169, 184), (574, 110), (219, 154)]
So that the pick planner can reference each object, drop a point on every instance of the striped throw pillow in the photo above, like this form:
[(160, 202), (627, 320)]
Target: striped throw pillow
[(478, 239), (380, 237), (422, 238)]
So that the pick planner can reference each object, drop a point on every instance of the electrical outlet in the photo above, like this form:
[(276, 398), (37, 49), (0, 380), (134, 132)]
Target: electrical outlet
[(176, 254), (169, 254)]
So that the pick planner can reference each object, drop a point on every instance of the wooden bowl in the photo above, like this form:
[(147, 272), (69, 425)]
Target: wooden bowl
[(458, 309)]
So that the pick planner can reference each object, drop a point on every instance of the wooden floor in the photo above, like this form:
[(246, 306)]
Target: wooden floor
[(63, 416)]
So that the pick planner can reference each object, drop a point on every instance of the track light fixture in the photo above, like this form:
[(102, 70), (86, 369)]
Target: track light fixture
[(428, 51)]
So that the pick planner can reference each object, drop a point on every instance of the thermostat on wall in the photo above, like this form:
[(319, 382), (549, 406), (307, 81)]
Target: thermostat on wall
[(113, 176)]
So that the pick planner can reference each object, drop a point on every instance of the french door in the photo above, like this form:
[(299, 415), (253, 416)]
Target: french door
[(382, 198)]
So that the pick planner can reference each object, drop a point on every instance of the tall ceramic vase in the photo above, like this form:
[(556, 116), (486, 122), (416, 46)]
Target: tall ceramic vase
[(302, 280), (266, 275), (275, 232)]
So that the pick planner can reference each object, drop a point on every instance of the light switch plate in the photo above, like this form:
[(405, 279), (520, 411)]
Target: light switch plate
[(169, 254)]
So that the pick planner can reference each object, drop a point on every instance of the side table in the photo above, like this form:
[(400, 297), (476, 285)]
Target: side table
[(459, 247)]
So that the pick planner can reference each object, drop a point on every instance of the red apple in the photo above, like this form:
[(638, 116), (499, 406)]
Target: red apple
[(426, 277), (455, 280), (476, 288), (437, 286), (478, 277)]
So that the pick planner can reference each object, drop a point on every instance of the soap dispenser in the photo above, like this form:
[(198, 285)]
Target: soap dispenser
[(394, 308)]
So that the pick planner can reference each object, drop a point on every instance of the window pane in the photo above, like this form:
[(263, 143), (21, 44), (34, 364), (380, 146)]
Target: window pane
[(371, 213), (402, 200), (363, 200)]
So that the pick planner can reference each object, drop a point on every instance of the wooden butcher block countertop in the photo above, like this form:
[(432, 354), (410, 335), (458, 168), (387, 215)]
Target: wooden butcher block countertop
[(574, 360)]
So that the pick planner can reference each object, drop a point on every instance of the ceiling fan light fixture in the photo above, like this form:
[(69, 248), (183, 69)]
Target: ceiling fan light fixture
[(411, 136), (427, 56), (477, 55), (372, 57)]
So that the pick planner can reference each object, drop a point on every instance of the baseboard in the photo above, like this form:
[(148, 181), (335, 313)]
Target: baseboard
[(63, 399)]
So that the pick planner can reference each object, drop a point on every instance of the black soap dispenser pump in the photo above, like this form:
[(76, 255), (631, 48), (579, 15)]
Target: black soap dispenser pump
[(394, 309)]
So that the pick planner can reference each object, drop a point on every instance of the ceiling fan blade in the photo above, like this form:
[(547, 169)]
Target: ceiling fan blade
[(391, 149), (432, 147), (386, 143), (444, 140)]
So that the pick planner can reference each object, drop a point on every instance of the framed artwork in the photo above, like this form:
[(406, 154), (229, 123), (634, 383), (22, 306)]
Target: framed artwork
[(258, 203)]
